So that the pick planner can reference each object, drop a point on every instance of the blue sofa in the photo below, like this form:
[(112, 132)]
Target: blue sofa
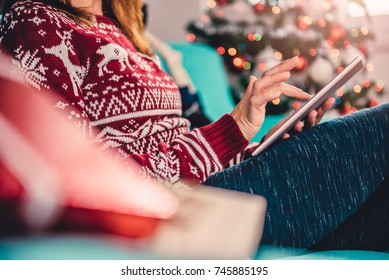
[(105, 247), (207, 72)]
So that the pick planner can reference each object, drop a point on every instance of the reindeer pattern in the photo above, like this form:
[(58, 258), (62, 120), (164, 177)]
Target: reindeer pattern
[(112, 52), (77, 73)]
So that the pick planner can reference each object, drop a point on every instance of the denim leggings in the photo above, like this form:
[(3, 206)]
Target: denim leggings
[(324, 186)]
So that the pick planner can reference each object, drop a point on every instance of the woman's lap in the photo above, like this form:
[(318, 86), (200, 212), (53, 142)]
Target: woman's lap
[(315, 180)]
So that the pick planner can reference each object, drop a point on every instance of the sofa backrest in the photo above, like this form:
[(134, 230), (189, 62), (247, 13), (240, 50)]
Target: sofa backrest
[(206, 69)]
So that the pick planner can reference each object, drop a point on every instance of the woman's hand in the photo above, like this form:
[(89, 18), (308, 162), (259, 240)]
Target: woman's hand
[(313, 118), (249, 114)]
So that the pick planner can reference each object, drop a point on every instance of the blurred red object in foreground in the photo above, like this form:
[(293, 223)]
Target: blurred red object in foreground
[(46, 166)]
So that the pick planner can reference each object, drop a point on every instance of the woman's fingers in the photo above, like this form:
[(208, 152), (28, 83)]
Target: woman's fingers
[(311, 119), (250, 85), (284, 66), (260, 95), (285, 136), (270, 80), (315, 116), (327, 105), (299, 126), (290, 91), (275, 82)]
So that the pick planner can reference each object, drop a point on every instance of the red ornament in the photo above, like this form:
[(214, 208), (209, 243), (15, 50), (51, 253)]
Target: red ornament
[(296, 105), (336, 32), (221, 50), (322, 23), (378, 87), (348, 109), (372, 103), (302, 25), (260, 7), (190, 37), (364, 51), (301, 65)]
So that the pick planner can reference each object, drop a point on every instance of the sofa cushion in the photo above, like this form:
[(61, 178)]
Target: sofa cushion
[(108, 247), (268, 252), (206, 69)]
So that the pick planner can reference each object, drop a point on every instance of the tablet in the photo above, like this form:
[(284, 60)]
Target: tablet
[(313, 103)]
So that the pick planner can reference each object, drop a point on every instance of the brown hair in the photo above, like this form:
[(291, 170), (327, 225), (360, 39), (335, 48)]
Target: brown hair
[(126, 13), (130, 17)]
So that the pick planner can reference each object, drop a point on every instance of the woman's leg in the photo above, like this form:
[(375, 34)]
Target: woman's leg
[(366, 229), (317, 179)]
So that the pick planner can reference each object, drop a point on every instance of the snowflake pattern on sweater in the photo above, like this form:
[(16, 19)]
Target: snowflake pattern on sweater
[(105, 85)]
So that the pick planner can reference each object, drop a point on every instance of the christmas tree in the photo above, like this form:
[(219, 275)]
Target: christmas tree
[(254, 35)]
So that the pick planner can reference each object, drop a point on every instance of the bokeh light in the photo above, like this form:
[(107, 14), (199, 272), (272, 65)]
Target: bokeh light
[(247, 65), (312, 52), (278, 55), (221, 50), (369, 66), (357, 89), (379, 86), (211, 4), (238, 62), (276, 10), (364, 30), (190, 37), (276, 101), (232, 51), (339, 92)]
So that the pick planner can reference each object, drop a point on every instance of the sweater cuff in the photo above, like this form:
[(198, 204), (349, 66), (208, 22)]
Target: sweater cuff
[(225, 138)]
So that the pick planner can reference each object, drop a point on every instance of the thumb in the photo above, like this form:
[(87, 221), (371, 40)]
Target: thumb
[(250, 85), (252, 80)]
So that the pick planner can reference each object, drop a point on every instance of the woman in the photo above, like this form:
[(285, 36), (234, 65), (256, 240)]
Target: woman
[(94, 54)]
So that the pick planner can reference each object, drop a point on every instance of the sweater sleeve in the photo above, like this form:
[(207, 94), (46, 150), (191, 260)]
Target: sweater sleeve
[(195, 155), (114, 114)]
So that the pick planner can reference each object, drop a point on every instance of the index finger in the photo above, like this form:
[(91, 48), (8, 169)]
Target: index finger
[(290, 91), (284, 66)]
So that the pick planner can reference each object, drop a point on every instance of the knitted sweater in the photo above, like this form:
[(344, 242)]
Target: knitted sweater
[(117, 97)]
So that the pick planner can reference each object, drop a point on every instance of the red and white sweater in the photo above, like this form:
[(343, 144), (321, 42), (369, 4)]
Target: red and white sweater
[(105, 85)]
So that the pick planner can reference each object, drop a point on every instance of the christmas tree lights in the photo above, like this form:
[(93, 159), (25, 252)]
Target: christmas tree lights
[(254, 35)]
